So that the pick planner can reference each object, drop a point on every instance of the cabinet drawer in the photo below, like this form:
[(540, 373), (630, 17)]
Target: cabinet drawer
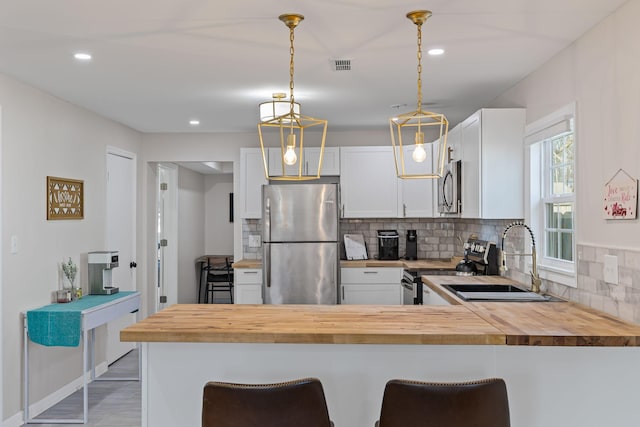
[(371, 275), (247, 275)]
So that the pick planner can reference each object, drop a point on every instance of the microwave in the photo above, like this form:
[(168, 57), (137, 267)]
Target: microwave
[(450, 189)]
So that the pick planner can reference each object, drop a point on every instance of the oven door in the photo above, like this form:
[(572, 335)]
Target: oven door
[(450, 189)]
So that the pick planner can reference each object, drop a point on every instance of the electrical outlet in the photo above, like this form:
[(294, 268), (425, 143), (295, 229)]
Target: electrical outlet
[(14, 244), (611, 269), (254, 240)]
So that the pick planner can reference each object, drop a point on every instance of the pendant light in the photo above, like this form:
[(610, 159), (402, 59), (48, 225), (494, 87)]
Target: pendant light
[(413, 126), (282, 123)]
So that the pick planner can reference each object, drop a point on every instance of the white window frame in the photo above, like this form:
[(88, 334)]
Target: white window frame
[(559, 271)]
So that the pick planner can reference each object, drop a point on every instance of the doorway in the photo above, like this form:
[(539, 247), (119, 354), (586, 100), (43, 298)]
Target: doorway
[(194, 210), (121, 232), (166, 235)]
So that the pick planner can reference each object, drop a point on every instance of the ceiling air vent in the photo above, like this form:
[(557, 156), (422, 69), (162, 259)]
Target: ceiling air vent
[(341, 64)]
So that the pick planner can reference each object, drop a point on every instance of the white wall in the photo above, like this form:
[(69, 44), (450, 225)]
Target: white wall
[(601, 73), (191, 226), (217, 227), (42, 135)]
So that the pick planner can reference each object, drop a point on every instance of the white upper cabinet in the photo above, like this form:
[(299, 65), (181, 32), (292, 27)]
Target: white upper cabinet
[(491, 142), (251, 180), (454, 152), (416, 196), (330, 162), (368, 182)]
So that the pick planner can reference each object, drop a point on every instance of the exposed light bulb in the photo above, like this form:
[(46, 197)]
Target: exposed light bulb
[(419, 154), (290, 157)]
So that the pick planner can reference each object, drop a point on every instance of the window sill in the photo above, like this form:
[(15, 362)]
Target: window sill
[(558, 275)]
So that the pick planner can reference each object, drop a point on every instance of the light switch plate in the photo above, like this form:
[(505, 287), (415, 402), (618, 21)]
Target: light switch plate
[(254, 240), (611, 269)]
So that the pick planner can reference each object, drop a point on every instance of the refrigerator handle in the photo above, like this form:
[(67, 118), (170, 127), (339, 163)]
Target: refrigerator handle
[(267, 265), (267, 220)]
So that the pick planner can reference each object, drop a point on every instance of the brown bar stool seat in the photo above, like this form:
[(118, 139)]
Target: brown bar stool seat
[(480, 403), (297, 403)]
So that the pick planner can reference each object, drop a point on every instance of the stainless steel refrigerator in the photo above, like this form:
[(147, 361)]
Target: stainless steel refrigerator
[(300, 243)]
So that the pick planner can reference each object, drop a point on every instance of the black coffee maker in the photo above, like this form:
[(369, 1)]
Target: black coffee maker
[(412, 245), (388, 241)]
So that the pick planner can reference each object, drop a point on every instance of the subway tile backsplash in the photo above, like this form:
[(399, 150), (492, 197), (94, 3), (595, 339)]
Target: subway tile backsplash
[(442, 238), (438, 238)]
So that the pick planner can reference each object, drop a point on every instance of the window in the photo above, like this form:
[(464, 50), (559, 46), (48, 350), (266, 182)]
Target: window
[(558, 197), (552, 204)]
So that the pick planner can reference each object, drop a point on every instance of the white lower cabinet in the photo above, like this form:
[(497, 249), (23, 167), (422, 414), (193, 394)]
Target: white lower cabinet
[(379, 286), (430, 297), (247, 286)]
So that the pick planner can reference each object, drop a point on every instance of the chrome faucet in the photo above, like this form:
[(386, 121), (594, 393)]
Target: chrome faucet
[(535, 278)]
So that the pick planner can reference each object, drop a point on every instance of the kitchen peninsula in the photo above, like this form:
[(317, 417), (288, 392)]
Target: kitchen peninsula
[(565, 365)]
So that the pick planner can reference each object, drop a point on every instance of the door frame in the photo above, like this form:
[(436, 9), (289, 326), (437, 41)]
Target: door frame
[(170, 287), (131, 157)]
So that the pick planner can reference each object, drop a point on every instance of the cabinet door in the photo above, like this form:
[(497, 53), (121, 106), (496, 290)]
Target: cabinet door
[(471, 148), (417, 195), (454, 152), (276, 164), (247, 294), (368, 182), (251, 181), (430, 297), (330, 160), (376, 294), (502, 163)]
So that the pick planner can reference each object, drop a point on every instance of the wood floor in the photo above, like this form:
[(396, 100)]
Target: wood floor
[(111, 403)]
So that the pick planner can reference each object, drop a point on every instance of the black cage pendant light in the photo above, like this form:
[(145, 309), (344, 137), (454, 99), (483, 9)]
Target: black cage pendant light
[(419, 159), (282, 127)]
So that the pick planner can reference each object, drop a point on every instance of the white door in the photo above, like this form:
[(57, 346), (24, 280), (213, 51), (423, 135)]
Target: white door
[(121, 232), (167, 236)]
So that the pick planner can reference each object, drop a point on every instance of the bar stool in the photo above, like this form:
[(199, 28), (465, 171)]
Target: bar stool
[(481, 403), (297, 403)]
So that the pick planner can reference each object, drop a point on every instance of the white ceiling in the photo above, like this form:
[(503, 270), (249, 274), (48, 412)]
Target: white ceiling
[(158, 63)]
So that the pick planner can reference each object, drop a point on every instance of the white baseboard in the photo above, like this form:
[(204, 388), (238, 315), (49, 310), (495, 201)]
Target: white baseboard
[(48, 401)]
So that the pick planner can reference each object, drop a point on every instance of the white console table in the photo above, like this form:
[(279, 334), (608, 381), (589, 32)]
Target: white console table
[(78, 319)]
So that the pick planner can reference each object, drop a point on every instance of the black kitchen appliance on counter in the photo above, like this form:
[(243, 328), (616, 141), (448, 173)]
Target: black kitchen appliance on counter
[(482, 254), (388, 242), (412, 245)]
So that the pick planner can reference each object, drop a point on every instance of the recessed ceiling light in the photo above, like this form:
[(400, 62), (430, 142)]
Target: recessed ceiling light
[(436, 51), (81, 56), (194, 122)]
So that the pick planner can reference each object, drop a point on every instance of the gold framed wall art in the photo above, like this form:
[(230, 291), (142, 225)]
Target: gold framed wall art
[(65, 198)]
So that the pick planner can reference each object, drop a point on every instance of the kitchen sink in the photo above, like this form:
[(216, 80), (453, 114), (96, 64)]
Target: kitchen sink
[(496, 292)]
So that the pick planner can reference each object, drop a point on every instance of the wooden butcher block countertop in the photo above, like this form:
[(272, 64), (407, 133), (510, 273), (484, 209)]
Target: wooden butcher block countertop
[(314, 324), (471, 323), (248, 263), (543, 323)]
